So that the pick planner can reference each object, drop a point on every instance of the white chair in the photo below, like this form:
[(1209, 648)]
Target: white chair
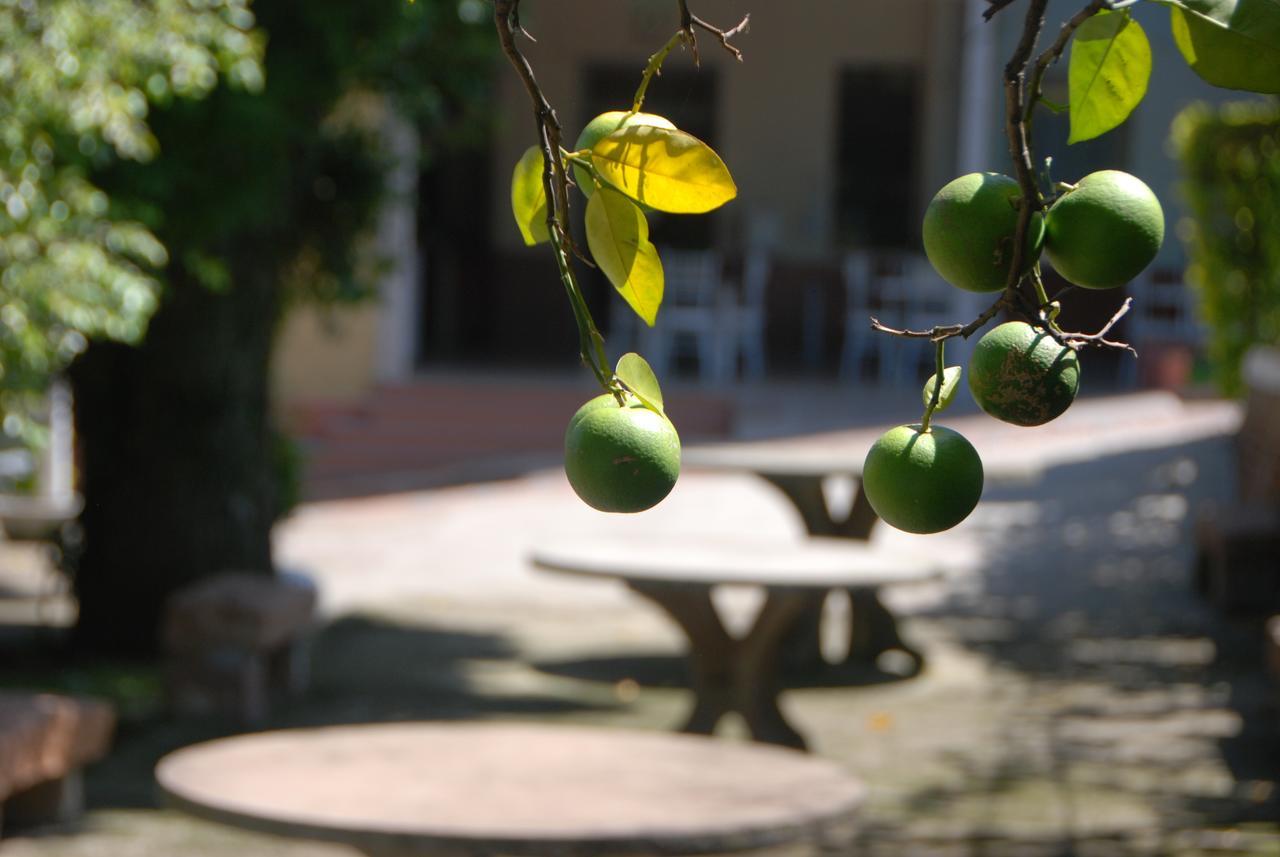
[(741, 319), (689, 314), (860, 341), (879, 286), (903, 291), (924, 300)]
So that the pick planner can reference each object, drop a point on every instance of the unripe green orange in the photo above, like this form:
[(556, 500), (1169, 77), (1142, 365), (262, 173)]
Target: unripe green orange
[(922, 482), (621, 459), (1021, 375), (1102, 233), (604, 125), (969, 229)]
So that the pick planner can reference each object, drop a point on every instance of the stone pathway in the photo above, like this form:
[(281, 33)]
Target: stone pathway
[(1077, 700)]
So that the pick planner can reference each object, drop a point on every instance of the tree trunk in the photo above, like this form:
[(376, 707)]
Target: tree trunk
[(176, 458)]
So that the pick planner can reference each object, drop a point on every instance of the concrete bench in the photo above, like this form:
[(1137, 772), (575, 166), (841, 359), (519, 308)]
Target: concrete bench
[(45, 741), (233, 640), (517, 789)]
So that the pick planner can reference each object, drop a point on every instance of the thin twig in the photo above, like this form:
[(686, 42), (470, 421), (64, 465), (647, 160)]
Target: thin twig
[(724, 35), (995, 7), (1054, 51), (1099, 338), (1015, 72), (946, 331), (555, 184)]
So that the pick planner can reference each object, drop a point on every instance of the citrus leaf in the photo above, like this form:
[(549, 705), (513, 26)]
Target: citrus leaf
[(1234, 44), (664, 168), (529, 199), (950, 383), (634, 371), (1108, 73), (618, 236)]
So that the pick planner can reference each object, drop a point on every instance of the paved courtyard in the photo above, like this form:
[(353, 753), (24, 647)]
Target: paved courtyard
[(1077, 698)]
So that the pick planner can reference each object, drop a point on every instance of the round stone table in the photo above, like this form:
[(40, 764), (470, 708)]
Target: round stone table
[(395, 790)]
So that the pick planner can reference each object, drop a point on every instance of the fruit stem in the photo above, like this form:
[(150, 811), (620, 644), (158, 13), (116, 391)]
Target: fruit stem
[(937, 386), (590, 342), (654, 67), (1047, 313)]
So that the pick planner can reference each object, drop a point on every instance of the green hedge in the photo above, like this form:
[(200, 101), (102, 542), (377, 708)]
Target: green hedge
[(1231, 168)]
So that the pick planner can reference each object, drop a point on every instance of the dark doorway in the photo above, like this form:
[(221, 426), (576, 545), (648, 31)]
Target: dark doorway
[(453, 229), (877, 158)]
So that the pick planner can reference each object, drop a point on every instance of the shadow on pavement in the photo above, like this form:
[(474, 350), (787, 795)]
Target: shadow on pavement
[(1128, 684)]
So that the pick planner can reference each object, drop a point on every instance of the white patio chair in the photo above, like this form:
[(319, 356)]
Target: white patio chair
[(689, 314), (741, 319)]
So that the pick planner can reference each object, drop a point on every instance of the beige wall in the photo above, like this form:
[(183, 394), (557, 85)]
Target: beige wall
[(325, 354), (777, 109)]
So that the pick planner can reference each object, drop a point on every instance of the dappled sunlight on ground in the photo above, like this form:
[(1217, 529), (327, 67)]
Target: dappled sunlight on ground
[(1076, 697)]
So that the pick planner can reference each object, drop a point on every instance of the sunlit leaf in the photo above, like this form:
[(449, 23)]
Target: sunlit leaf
[(1108, 73), (634, 371), (618, 236), (950, 383), (665, 169), (529, 198), (1234, 44)]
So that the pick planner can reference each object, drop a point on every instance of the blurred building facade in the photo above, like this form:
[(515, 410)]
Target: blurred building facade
[(841, 123)]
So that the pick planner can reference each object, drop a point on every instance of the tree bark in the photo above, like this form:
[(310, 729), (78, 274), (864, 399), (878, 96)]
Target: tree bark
[(176, 458)]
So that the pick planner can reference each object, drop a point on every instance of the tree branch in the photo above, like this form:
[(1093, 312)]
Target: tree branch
[(946, 331), (1099, 338), (995, 7), (688, 21), (555, 185), (1054, 51)]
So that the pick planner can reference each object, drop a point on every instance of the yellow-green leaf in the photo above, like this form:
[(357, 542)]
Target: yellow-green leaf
[(529, 199), (1234, 44), (950, 383), (634, 371), (618, 236), (664, 168), (1108, 73)]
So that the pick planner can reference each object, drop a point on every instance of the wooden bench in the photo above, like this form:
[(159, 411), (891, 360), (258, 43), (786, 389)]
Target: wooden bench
[(45, 741), (233, 640), (1238, 545)]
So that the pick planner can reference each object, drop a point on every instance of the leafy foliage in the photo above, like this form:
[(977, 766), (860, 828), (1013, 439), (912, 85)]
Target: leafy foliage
[(664, 169), (950, 383), (634, 371), (1107, 75), (1231, 162), (77, 79), (643, 166), (529, 198), (1234, 44), (618, 236)]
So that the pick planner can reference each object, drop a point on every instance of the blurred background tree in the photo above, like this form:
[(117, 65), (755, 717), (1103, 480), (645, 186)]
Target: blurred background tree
[(1231, 163), (77, 78), (214, 214)]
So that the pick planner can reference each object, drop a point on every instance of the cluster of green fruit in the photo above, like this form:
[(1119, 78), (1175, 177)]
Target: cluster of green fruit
[(619, 455), (1099, 234)]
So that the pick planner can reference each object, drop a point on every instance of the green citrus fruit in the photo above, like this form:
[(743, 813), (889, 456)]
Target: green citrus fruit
[(922, 482), (1021, 375), (604, 125), (621, 459), (969, 229), (1105, 231)]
